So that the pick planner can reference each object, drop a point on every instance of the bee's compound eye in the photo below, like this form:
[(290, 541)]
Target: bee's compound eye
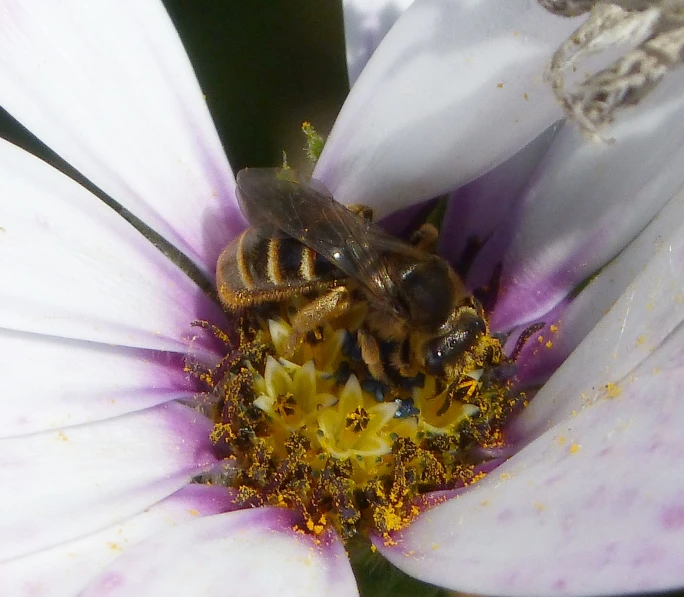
[(447, 349)]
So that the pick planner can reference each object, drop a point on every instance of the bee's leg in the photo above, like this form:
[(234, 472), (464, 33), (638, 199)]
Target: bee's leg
[(334, 303), (462, 391), (400, 359), (361, 210), (425, 238), (371, 355)]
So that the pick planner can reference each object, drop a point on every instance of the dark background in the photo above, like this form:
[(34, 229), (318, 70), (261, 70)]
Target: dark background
[(265, 67)]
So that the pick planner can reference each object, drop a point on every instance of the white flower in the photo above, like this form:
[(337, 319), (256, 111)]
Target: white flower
[(96, 455)]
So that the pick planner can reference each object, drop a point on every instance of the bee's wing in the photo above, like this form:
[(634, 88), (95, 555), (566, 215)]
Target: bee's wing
[(278, 203)]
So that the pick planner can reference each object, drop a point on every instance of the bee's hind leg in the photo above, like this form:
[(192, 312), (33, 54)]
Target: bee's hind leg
[(334, 303)]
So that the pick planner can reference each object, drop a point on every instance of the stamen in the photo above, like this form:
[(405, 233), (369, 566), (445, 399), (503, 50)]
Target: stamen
[(358, 420), (317, 433)]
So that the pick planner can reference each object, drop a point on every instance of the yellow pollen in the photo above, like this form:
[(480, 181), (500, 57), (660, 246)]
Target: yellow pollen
[(307, 427), (358, 420), (612, 390)]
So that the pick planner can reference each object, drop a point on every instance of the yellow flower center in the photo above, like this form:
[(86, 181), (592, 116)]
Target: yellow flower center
[(316, 433)]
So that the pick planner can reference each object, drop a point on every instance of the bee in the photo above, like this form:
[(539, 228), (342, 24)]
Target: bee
[(419, 318)]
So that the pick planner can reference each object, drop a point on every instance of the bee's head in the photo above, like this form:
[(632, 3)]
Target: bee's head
[(463, 331)]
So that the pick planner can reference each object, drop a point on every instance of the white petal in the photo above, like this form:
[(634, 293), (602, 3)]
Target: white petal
[(61, 485), (454, 89), (108, 86), (78, 270), (366, 22), (248, 552), (645, 314), (574, 318), (50, 383), (587, 201), (65, 570), (477, 209), (593, 507)]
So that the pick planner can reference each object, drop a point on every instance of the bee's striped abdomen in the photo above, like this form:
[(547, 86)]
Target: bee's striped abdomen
[(253, 269)]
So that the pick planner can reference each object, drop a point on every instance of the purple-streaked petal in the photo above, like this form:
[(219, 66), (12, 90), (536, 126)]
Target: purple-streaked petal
[(72, 267), (572, 319), (598, 500), (108, 86), (644, 315), (51, 383), (366, 22), (61, 485), (476, 210), (546, 344), (454, 89), (587, 201), (247, 552), (65, 570)]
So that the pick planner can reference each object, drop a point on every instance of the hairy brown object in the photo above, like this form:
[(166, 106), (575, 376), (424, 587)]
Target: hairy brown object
[(652, 32)]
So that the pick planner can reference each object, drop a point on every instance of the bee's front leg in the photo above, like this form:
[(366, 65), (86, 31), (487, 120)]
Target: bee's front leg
[(334, 303)]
